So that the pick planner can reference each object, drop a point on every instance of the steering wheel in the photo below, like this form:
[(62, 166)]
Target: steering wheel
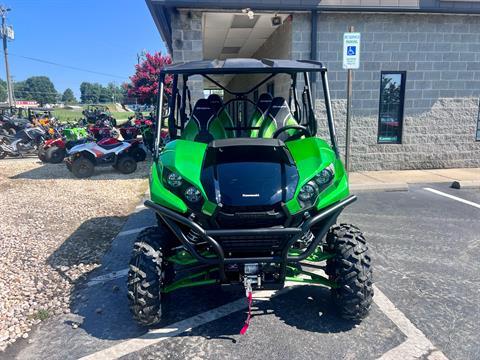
[(301, 131)]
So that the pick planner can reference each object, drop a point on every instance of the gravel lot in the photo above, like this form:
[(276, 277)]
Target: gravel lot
[(53, 231)]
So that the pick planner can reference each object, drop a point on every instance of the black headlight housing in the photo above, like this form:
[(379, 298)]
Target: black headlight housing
[(175, 183), (309, 192)]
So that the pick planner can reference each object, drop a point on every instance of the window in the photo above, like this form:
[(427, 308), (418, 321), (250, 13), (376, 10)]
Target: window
[(271, 88), (478, 123), (390, 116)]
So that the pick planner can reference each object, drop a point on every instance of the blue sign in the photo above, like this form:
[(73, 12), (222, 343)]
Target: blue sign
[(351, 50)]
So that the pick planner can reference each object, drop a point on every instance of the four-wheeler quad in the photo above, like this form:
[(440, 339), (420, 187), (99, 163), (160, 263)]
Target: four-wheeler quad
[(95, 113), (54, 150), (248, 197), (121, 155)]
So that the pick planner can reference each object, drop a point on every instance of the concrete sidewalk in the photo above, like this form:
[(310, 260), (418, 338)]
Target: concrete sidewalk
[(398, 180)]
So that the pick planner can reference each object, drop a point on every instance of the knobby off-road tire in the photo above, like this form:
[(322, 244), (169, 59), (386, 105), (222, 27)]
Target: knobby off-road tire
[(82, 167), (126, 164), (351, 270), (55, 155), (41, 154), (149, 273)]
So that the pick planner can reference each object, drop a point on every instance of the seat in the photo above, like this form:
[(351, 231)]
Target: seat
[(216, 103), (201, 127), (277, 116), (109, 143), (263, 104)]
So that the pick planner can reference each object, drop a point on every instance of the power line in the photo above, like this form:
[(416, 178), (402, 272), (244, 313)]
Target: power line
[(68, 66)]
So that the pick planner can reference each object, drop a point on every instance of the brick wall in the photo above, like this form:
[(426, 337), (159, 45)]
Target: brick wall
[(441, 56)]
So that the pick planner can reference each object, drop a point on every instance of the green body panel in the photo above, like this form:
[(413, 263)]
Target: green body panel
[(73, 134), (160, 195), (185, 158), (216, 129), (312, 155)]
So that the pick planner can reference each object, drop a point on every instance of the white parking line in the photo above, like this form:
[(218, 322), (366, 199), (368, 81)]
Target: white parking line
[(416, 345), (155, 336), (471, 203)]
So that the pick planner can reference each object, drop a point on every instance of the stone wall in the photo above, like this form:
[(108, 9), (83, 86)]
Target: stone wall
[(187, 43), (441, 57)]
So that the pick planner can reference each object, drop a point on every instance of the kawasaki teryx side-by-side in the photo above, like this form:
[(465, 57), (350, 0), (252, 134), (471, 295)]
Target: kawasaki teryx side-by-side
[(245, 193)]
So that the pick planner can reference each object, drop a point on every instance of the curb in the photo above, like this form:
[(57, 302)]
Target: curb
[(379, 187), (466, 184)]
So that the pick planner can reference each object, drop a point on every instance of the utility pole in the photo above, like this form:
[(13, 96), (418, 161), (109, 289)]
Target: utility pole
[(3, 12)]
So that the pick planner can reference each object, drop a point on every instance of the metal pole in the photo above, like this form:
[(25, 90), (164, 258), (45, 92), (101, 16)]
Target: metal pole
[(349, 114), (4, 11)]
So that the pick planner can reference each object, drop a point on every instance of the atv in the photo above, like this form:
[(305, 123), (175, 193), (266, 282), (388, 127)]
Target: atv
[(121, 155), (247, 197), (54, 150)]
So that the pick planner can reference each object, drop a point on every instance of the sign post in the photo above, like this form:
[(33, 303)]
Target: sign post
[(351, 60)]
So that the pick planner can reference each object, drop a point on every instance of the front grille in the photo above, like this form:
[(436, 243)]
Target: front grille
[(252, 217), (265, 245)]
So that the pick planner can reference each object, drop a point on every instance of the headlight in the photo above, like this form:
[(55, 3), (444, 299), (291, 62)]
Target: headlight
[(325, 176), (174, 180), (308, 192), (192, 194)]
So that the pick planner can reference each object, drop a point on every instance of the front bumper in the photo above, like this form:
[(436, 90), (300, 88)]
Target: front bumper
[(176, 222)]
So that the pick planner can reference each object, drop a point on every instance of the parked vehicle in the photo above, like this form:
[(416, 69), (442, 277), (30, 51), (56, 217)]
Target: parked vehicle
[(121, 155), (23, 142), (248, 210), (10, 124), (54, 150), (95, 113)]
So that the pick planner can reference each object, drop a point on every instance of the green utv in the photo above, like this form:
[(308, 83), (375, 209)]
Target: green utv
[(245, 193)]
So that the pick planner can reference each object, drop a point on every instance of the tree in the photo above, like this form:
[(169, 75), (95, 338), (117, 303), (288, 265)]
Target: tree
[(118, 93), (37, 88), (89, 92), (68, 97), (143, 84)]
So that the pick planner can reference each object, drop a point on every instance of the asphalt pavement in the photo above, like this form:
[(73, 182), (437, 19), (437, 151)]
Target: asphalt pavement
[(425, 244)]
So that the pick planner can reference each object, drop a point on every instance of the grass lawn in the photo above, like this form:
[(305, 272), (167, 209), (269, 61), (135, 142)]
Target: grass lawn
[(70, 115)]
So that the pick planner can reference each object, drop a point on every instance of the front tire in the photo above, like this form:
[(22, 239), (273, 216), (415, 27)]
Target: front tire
[(351, 270), (126, 164), (82, 167), (139, 154), (149, 273), (55, 155)]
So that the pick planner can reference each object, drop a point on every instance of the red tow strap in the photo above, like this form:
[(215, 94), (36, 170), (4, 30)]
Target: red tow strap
[(247, 322)]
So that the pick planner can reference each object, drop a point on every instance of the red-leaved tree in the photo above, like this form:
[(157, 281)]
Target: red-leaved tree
[(144, 84)]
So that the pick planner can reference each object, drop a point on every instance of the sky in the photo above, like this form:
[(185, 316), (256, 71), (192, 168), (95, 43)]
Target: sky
[(97, 35)]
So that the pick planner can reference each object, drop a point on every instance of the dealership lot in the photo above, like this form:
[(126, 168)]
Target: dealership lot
[(426, 249)]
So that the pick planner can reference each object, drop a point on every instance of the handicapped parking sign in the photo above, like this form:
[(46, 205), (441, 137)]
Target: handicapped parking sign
[(351, 50)]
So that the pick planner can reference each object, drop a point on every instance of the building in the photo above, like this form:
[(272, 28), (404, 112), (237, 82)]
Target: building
[(416, 94)]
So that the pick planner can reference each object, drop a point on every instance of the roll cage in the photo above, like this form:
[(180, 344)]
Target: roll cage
[(179, 100)]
